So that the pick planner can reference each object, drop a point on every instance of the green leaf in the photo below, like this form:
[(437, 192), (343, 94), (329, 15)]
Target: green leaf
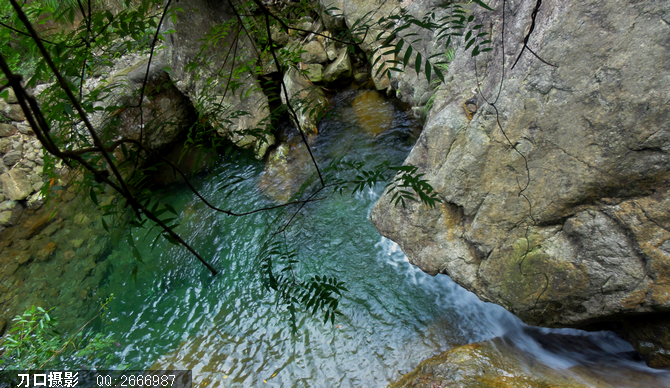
[(68, 109), (171, 209), (94, 197), (398, 46), (482, 4), (136, 253), (428, 68), (170, 239), (408, 56), (418, 63), (438, 73)]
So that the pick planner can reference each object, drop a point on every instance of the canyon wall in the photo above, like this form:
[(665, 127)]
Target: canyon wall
[(554, 194)]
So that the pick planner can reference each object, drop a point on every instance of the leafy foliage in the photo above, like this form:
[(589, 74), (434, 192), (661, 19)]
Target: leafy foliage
[(407, 179), (317, 295), (32, 339), (34, 343), (403, 182), (400, 38)]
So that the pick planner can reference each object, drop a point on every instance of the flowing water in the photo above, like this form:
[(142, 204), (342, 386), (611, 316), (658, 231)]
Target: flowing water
[(227, 328)]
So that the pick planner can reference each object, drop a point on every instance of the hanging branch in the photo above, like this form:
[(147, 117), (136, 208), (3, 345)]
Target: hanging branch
[(527, 37)]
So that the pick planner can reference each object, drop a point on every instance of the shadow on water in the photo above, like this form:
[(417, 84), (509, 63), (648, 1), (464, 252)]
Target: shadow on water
[(229, 331)]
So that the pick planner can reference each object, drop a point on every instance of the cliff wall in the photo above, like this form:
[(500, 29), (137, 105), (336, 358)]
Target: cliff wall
[(555, 201)]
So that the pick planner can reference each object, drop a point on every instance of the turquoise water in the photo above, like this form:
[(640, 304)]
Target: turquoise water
[(228, 330), (227, 327)]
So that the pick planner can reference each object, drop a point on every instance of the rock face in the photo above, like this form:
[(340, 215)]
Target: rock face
[(21, 163), (166, 111), (562, 214), (207, 83)]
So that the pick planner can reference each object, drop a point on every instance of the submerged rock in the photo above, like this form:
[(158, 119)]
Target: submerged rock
[(373, 113), (650, 336)]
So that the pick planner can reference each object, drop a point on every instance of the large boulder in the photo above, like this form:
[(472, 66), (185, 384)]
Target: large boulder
[(11, 111), (234, 103), (165, 115), (314, 53), (11, 96), (12, 157), (561, 214), (7, 130), (166, 112)]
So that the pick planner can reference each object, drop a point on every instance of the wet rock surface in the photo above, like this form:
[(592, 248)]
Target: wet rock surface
[(497, 363)]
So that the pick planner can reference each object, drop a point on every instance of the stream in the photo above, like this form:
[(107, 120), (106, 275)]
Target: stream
[(227, 328)]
